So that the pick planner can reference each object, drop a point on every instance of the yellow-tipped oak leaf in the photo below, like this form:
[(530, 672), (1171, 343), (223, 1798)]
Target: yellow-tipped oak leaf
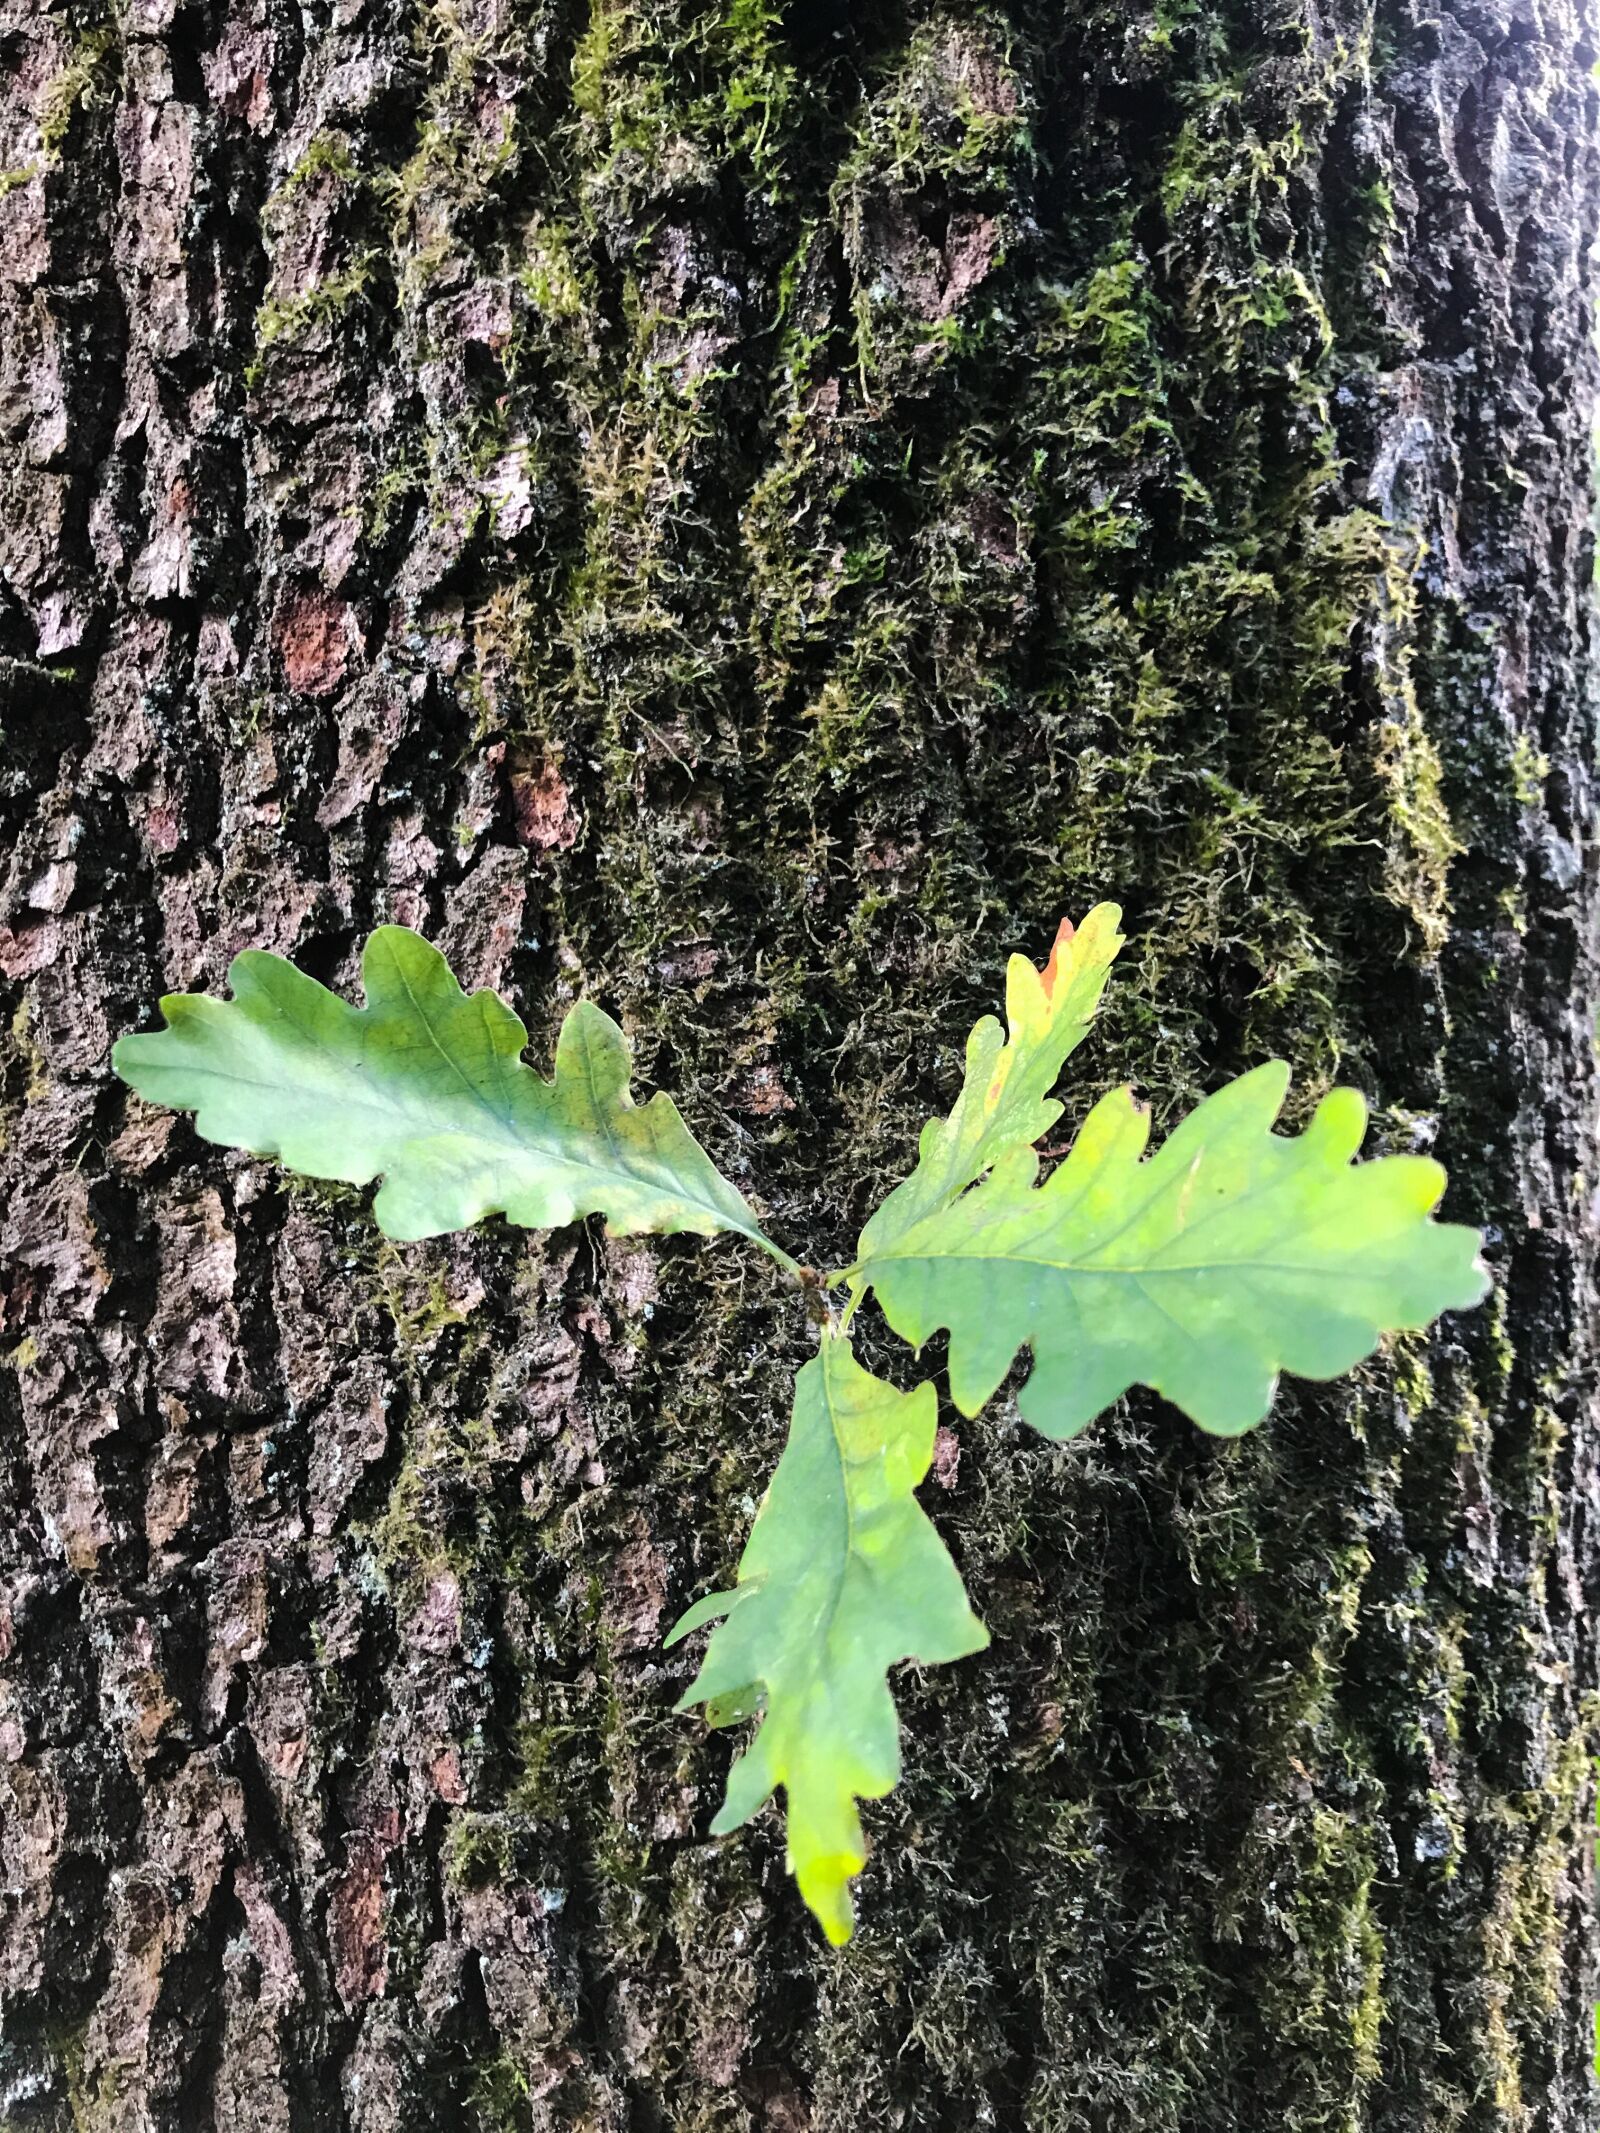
[(843, 1576), (1009, 1075)]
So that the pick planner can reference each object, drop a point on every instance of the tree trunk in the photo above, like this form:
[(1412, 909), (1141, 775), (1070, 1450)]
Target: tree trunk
[(749, 513)]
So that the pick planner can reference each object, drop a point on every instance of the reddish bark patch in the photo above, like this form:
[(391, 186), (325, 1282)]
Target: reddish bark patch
[(545, 817), (436, 1625), (763, 1094), (26, 951), (355, 1925), (448, 1783), (970, 245), (317, 637), (636, 1593)]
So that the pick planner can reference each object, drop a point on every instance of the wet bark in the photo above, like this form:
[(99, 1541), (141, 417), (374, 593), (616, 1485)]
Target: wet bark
[(749, 513)]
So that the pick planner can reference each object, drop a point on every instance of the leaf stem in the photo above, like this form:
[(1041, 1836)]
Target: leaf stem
[(791, 1267)]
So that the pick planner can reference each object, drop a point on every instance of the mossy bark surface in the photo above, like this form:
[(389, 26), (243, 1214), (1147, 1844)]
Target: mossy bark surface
[(749, 513)]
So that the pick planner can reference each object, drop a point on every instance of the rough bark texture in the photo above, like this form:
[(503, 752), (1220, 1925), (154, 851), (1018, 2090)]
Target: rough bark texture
[(750, 512)]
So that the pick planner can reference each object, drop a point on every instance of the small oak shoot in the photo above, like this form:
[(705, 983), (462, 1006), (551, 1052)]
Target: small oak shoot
[(1203, 1271)]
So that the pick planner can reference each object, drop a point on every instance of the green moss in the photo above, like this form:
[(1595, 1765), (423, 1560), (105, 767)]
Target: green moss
[(592, 60), (414, 1298), (405, 1543), (97, 2102), (627, 76), (1529, 770), (87, 79), (549, 272), (547, 1753), (1424, 841), (291, 321), (479, 1848), (328, 155)]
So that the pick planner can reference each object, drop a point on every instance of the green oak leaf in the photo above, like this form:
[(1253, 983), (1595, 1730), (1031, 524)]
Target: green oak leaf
[(425, 1086), (1233, 1254), (843, 1576), (1002, 1102)]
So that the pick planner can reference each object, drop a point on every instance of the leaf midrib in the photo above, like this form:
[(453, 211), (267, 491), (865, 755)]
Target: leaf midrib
[(364, 1096), (1074, 1266), (816, 1673), (1163, 1178)]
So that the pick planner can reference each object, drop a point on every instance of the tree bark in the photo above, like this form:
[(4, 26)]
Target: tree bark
[(749, 513)]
